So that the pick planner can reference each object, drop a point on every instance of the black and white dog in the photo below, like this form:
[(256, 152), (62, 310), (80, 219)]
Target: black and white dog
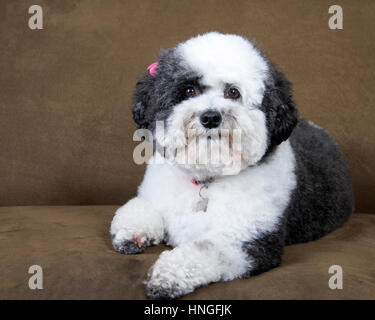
[(292, 184)]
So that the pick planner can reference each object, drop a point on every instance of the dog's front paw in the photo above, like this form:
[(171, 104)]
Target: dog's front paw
[(136, 226), (166, 280), (159, 286), (161, 291), (125, 244)]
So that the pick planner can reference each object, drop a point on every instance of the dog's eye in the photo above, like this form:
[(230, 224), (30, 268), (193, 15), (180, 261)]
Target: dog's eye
[(190, 92), (232, 93)]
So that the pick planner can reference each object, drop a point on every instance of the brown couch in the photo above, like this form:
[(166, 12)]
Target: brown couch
[(66, 137)]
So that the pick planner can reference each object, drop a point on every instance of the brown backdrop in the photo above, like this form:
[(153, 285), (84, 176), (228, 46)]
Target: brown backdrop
[(65, 91)]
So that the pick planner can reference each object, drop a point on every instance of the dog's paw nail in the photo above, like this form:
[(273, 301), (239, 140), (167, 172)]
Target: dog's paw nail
[(161, 288), (139, 239), (159, 293), (129, 247)]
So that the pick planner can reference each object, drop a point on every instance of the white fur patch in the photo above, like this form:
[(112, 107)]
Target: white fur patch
[(227, 58), (252, 201), (208, 244)]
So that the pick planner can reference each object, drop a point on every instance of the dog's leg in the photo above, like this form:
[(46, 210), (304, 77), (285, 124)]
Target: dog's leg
[(223, 256), (135, 226), (179, 271)]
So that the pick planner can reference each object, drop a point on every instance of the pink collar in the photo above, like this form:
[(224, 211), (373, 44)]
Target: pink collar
[(195, 182), (200, 182)]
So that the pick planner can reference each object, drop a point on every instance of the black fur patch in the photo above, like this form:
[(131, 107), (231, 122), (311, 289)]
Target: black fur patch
[(278, 106), (155, 97), (130, 247), (323, 199), (265, 252)]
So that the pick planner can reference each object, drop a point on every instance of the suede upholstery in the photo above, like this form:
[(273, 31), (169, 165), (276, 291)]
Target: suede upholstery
[(72, 245), (66, 136)]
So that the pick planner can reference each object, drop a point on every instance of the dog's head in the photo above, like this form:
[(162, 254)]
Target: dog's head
[(210, 84)]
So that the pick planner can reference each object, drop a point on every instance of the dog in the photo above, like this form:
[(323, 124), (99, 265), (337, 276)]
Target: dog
[(291, 185)]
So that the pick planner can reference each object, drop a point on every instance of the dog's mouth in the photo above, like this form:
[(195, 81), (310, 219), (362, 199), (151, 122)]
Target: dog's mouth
[(207, 148)]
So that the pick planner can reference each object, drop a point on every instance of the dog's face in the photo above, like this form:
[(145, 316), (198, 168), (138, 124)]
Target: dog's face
[(219, 91)]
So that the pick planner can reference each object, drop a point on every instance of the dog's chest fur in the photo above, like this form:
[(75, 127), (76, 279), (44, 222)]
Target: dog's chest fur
[(254, 199)]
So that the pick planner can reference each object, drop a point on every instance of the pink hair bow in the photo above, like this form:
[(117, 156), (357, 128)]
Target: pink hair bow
[(152, 68)]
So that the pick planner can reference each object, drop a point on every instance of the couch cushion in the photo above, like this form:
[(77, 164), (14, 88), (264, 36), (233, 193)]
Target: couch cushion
[(72, 245)]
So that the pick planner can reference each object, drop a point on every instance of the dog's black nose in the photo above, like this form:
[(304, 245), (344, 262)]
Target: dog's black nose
[(210, 119)]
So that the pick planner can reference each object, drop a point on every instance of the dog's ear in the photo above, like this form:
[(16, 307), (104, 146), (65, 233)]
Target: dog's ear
[(142, 102), (279, 107)]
